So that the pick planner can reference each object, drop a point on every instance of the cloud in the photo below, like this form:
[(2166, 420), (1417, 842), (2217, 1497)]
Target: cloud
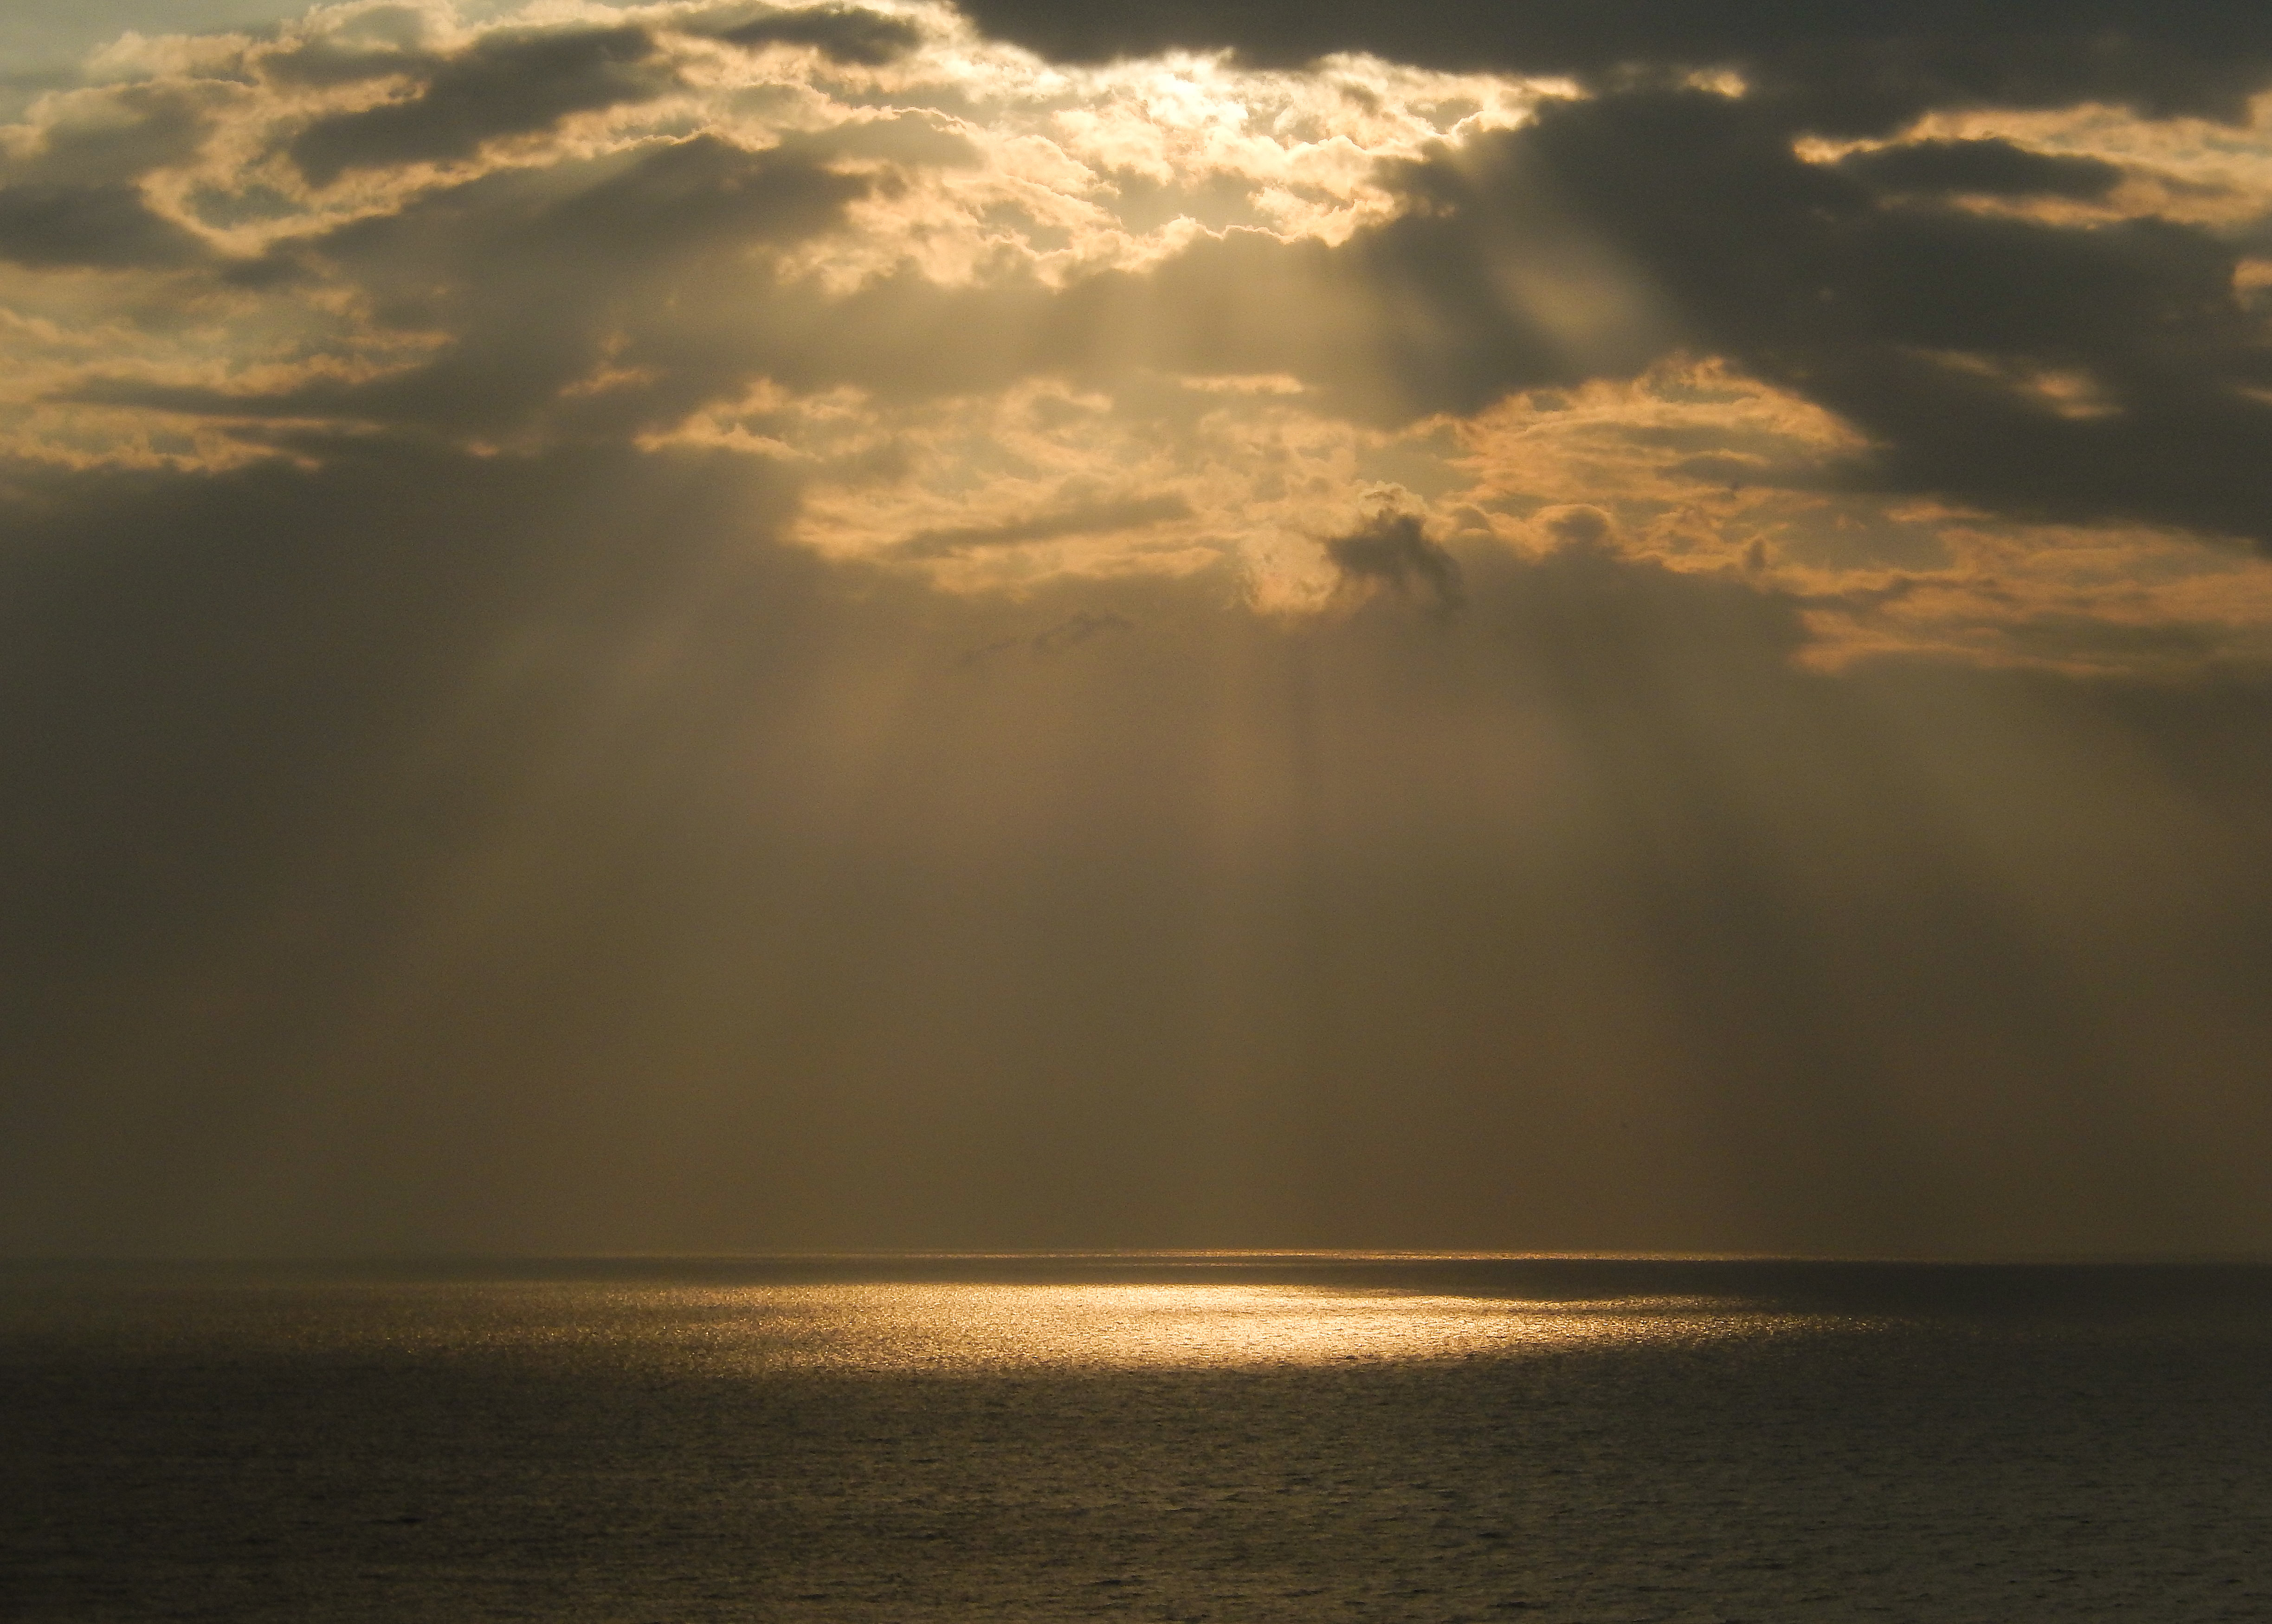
[(103, 227), (116, 135), (528, 278), (509, 83), (1393, 550), (845, 34), (1176, 317), (1989, 167), (1079, 518), (1861, 67), (1875, 312), (1578, 526)]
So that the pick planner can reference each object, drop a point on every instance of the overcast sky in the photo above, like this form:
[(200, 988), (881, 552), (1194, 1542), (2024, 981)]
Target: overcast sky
[(1534, 626)]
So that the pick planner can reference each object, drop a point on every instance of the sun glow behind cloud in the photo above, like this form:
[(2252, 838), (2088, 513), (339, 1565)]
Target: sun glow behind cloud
[(1007, 321)]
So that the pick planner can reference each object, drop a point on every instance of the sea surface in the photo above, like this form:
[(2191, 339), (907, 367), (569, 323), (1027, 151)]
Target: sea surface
[(1135, 1436)]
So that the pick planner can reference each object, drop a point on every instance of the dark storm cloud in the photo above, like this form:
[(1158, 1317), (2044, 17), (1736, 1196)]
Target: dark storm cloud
[(1860, 67), (1394, 550), (1946, 336), (845, 34), (511, 82), (109, 227)]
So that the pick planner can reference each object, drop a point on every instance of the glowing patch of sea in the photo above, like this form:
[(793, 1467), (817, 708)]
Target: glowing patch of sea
[(950, 1328)]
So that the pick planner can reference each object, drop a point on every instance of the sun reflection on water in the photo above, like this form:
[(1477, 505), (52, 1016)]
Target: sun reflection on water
[(949, 1328)]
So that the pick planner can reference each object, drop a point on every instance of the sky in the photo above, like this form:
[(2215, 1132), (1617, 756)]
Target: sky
[(1546, 626)]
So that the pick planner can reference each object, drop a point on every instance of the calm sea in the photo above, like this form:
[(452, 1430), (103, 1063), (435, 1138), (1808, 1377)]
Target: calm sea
[(1147, 1438)]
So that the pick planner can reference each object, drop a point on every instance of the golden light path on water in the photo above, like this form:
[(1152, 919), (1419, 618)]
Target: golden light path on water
[(949, 1328)]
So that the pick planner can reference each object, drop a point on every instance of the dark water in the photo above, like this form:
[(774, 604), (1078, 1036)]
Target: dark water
[(1145, 1438)]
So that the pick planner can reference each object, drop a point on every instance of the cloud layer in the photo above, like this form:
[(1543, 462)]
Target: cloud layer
[(1940, 314)]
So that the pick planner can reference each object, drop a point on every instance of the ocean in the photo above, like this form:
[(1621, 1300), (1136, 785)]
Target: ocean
[(1240, 1438)]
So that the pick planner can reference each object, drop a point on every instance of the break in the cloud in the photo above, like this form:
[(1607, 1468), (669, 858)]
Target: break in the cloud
[(1153, 623)]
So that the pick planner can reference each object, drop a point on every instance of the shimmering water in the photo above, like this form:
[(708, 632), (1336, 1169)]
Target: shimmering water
[(1194, 1438)]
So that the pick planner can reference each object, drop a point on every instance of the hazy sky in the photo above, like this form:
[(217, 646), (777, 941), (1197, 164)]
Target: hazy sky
[(1545, 625)]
